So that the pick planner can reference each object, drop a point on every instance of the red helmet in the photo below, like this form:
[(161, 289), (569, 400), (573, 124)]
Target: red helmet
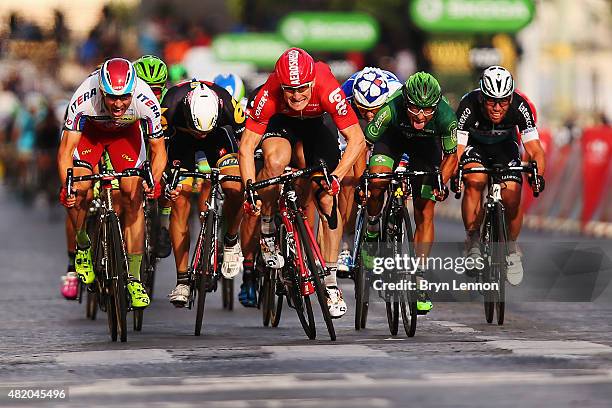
[(295, 67), (117, 77)]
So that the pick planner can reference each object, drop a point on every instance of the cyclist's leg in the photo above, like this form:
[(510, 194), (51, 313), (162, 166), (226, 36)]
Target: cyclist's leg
[(181, 149), (471, 204), (128, 150), (221, 149), (277, 145)]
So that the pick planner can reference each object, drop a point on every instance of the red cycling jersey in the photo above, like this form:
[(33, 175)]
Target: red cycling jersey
[(327, 96)]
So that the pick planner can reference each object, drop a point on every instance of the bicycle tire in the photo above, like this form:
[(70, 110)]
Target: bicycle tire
[(392, 317), (227, 289), (359, 272), (118, 263), (91, 306), (138, 317), (408, 309), (149, 264), (204, 265), (265, 298), (111, 317), (489, 299), (499, 255), (316, 273)]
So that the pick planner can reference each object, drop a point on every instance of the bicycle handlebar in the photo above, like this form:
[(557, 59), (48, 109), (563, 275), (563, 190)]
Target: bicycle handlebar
[(500, 170), (144, 173), (177, 173), (400, 176)]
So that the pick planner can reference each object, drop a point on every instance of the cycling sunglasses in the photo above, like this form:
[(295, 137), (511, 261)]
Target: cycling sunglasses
[(503, 102), (415, 110), (299, 89)]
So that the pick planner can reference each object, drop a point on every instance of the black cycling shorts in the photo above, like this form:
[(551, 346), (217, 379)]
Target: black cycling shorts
[(503, 153), (425, 154), (319, 141), (219, 146)]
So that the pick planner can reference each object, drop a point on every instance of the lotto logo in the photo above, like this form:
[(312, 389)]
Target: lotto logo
[(336, 97)]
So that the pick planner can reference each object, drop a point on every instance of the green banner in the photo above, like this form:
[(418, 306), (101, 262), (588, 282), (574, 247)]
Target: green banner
[(261, 49), (330, 31), (472, 16)]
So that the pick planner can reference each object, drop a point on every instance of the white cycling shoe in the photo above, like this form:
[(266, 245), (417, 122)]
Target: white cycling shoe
[(270, 252), (179, 295), (514, 273), (335, 302), (232, 260)]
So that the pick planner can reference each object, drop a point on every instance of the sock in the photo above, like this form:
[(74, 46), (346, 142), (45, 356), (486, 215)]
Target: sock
[(230, 240), (164, 217), (82, 239), (134, 261), (182, 278), (71, 256), (267, 225), (248, 270), (331, 268)]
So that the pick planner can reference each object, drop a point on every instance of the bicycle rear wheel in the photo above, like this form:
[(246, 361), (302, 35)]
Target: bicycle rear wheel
[(118, 263), (499, 256), (316, 272), (206, 242)]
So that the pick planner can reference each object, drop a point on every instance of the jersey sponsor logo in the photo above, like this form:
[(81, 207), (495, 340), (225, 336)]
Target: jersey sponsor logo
[(68, 122), (85, 152), (523, 109), (82, 98), (381, 118), (148, 102), (294, 68), (164, 120), (464, 116), (336, 97), (126, 157), (239, 116), (262, 102), (229, 160)]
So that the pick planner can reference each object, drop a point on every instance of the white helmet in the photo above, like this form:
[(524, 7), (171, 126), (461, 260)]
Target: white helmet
[(496, 82), (203, 107)]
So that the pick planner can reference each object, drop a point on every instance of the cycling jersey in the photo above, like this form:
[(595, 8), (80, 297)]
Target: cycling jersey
[(393, 116), (327, 96), (176, 115), (475, 125), (87, 105)]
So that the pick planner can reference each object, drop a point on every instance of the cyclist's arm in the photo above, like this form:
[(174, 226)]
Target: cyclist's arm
[(246, 153), (536, 152), (448, 166), (158, 157), (355, 145), (69, 142)]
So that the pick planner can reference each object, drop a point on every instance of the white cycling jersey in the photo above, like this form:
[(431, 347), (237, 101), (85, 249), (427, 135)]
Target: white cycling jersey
[(87, 105)]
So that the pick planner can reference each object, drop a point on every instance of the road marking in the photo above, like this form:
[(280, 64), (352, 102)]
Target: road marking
[(239, 384), (321, 351), (454, 327), (115, 357), (551, 348)]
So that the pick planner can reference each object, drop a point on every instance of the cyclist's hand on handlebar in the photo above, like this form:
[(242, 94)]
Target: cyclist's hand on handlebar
[(66, 200), (172, 195), (540, 181), (333, 188), (153, 193), (441, 195), (454, 183), (252, 205)]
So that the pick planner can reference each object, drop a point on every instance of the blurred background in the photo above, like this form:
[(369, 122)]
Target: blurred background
[(560, 52)]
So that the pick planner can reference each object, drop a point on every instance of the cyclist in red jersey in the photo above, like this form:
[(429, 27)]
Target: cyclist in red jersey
[(286, 118)]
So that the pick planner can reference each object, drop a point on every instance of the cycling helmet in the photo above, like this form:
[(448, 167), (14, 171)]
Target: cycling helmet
[(232, 83), (371, 88), (117, 77), (151, 69), (422, 89), (295, 67), (496, 82), (203, 106)]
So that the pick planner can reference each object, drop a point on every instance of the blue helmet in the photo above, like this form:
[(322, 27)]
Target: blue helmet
[(373, 86), (232, 83)]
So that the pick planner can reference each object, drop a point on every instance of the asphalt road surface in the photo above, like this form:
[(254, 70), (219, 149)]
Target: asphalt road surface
[(547, 354)]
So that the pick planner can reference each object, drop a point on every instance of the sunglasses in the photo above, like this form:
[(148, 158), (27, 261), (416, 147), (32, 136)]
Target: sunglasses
[(299, 89), (117, 97), (363, 110), (415, 110), (491, 102)]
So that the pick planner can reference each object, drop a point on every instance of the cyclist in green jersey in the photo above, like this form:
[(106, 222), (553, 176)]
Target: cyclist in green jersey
[(419, 121)]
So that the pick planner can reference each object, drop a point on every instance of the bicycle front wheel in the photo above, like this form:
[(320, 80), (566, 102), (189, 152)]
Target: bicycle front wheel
[(118, 264), (203, 269)]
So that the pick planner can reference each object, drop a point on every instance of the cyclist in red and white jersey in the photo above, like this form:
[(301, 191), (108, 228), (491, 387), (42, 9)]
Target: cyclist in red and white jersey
[(286, 118), (110, 111)]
